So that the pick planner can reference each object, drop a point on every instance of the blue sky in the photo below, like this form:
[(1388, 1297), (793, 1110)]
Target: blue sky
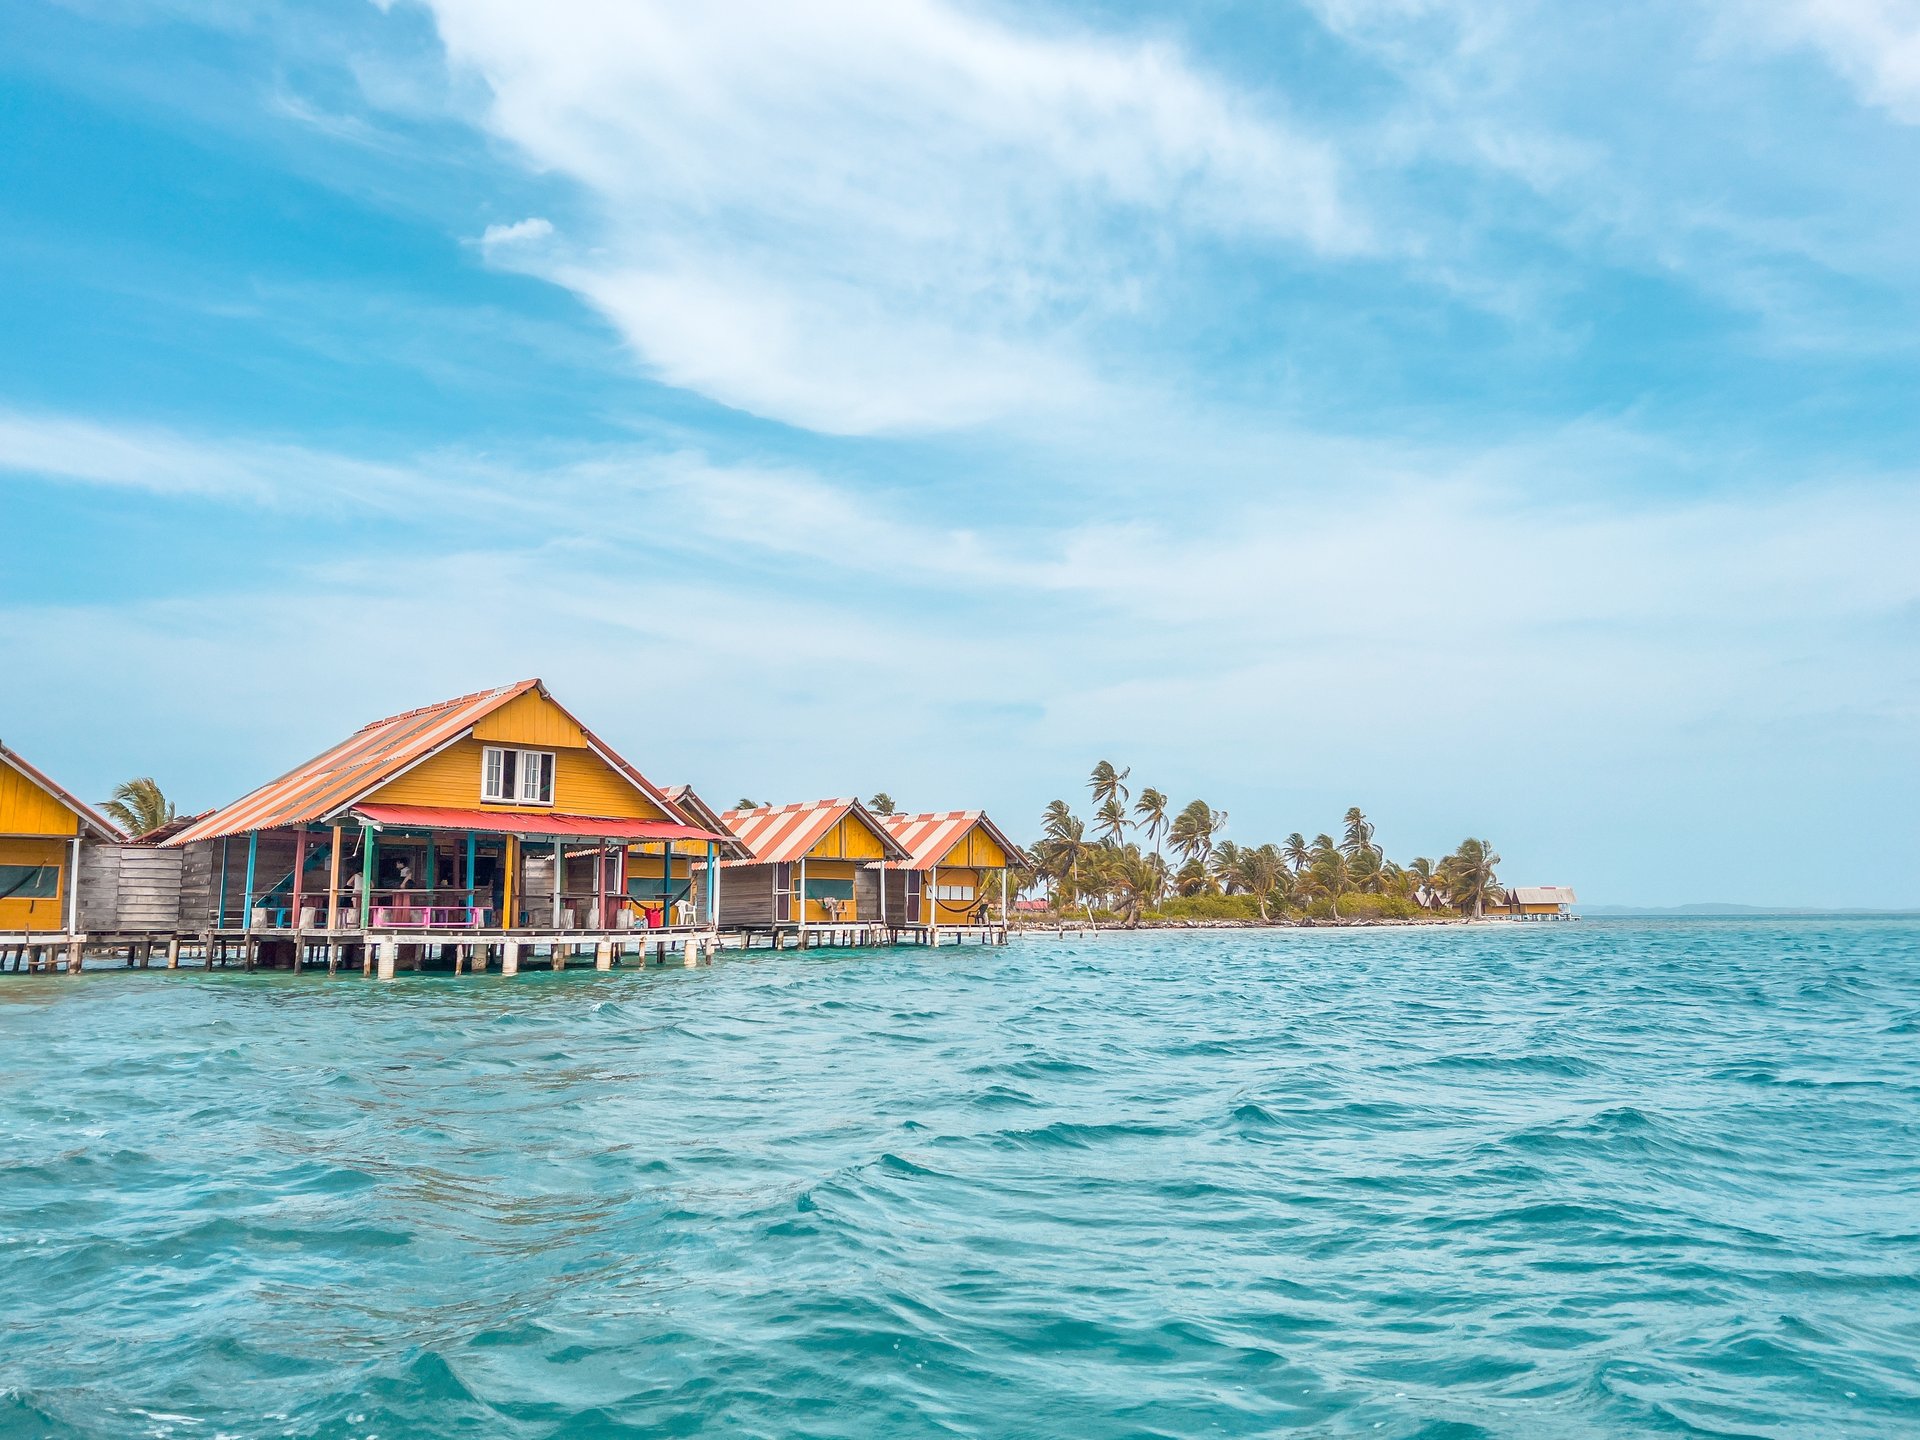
[(1501, 416)]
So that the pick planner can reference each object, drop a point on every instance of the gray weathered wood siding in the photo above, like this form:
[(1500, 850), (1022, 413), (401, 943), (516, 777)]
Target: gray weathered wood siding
[(129, 888), (746, 894)]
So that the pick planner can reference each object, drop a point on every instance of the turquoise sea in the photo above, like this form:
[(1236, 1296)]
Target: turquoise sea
[(1613, 1178)]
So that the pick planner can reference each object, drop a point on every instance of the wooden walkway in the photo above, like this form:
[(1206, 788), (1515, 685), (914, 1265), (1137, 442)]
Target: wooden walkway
[(388, 952)]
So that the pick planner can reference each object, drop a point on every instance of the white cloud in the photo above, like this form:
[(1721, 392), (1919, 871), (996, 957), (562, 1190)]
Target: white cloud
[(861, 218), (532, 228), (1875, 44)]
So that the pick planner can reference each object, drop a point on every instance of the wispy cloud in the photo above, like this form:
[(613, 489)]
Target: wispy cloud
[(1875, 44), (533, 227), (858, 218)]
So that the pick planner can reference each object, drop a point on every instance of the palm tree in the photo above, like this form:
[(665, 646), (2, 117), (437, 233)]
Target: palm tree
[(1111, 820), (1061, 855), (1366, 869), (1108, 783), (882, 804), (743, 803), (1358, 835), (1151, 807), (1136, 880), (1296, 852), (1225, 865), (139, 806), (1193, 830), (1263, 874), (1055, 815), (1193, 878), (1423, 881), (1330, 875), (1468, 878)]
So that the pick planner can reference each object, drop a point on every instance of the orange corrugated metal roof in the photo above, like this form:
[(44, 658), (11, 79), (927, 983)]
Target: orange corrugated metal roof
[(687, 801), (782, 834), (928, 838), (88, 815), (373, 755)]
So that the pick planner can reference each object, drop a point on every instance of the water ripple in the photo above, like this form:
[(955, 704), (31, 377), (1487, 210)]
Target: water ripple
[(1616, 1178)]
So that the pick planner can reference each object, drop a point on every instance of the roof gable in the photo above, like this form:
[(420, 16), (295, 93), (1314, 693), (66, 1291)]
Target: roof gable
[(931, 837), (86, 818), (378, 752), (782, 834)]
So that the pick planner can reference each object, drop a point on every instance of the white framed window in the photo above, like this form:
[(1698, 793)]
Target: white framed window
[(954, 892), (516, 777)]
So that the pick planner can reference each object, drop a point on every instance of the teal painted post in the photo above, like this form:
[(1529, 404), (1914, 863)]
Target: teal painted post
[(253, 855), (713, 895), (369, 843), (433, 866), (470, 863)]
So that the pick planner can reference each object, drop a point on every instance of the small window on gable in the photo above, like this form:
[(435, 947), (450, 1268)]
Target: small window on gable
[(516, 777)]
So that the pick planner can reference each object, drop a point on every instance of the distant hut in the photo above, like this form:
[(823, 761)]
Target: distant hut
[(496, 813), (44, 831), (1539, 902), (810, 863), (955, 873)]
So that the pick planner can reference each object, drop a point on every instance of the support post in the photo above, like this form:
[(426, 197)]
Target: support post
[(369, 869), (389, 958), (73, 887), (220, 920), (559, 868), (692, 954), (76, 952), (713, 883), (603, 955), (472, 857), (333, 886), (299, 890), (509, 884), (173, 953), (510, 957), (253, 856)]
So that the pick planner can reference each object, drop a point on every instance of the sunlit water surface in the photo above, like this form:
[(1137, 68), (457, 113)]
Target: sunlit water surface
[(1602, 1179)]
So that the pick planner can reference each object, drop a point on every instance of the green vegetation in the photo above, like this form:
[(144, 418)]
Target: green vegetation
[(1100, 871), (138, 806)]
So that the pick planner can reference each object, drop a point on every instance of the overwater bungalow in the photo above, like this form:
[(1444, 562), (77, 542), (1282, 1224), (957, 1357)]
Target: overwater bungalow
[(955, 874), (494, 821), (1536, 902), (808, 872), (44, 831)]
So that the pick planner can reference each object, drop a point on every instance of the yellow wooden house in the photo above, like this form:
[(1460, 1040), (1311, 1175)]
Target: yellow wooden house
[(494, 812), (955, 873), (42, 830), (810, 863)]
